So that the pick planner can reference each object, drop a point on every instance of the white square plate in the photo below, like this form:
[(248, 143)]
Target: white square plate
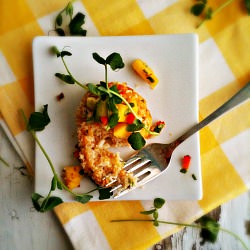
[(174, 58)]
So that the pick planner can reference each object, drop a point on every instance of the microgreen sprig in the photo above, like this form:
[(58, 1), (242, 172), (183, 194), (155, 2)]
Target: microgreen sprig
[(114, 60), (201, 8), (68, 78), (209, 228), (37, 122), (74, 25), (158, 203)]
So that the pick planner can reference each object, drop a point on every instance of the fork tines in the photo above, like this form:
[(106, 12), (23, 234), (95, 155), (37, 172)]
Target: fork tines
[(135, 164), (142, 169)]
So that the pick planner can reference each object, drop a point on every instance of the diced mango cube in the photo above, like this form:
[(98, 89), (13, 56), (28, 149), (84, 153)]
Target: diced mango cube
[(72, 176), (135, 105), (120, 131), (144, 133), (122, 112)]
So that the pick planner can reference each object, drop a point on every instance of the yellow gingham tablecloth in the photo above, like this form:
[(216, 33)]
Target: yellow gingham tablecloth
[(224, 69)]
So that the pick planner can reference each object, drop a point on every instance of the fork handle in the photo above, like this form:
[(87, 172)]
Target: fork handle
[(239, 97)]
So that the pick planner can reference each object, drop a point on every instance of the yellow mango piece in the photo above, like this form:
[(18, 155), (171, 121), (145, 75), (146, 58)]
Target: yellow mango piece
[(144, 133), (122, 112), (145, 72), (135, 107), (120, 131), (72, 176)]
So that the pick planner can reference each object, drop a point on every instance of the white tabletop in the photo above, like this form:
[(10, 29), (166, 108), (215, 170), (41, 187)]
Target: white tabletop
[(21, 227)]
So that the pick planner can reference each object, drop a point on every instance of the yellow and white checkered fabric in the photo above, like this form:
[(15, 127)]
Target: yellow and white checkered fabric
[(224, 69)]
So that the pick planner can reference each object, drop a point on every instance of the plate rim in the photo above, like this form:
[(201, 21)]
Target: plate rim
[(194, 36)]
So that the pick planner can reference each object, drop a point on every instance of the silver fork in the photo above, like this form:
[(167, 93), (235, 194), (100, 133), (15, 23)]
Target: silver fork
[(154, 158)]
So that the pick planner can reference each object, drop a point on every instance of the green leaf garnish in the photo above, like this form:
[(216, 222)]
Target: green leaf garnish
[(136, 141), (111, 105), (113, 120), (98, 58), (83, 198), (59, 19), (117, 99), (66, 78), (156, 223), (60, 31), (112, 97), (65, 53), (136, 126), (201, 8), (158, 202), (148, 211), (55, 51), (50, 203), (210, 229), (93, 89), (156, 215), (38, 120), (104, 193), (53, 184), (115, 61), (197, 9), (59, 185), (42, 204), (73, 25), (208, 226), (104, 90), (69, 10), (35, 200), (208, 14)]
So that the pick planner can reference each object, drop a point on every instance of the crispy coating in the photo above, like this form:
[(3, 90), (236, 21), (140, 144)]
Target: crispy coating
[(94, 140)]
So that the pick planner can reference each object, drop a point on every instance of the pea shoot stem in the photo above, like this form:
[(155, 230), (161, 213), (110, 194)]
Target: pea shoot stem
[(124, 100), (106, 75), (221, 7), (46, 199), (75, 80), (216, 11), (64, 10), (185, 225), (109, 91), (33, 133), (236, 236), (201, 23)]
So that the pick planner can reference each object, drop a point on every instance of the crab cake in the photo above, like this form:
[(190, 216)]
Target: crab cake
[(95, 138)]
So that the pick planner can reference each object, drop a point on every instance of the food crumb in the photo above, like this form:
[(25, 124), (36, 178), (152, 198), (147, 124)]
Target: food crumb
[(60, 97), (194, 177)]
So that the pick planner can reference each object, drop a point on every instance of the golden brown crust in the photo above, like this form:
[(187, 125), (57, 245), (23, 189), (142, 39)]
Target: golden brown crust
[(94, 140)]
